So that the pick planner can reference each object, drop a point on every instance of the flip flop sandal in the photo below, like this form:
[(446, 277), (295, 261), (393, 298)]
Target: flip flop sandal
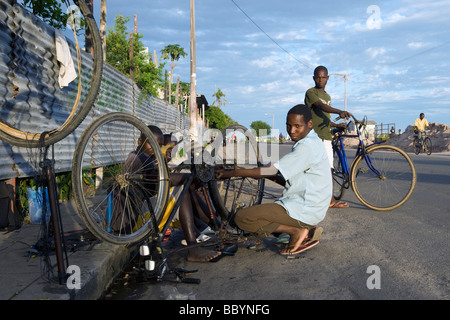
[(207, 231), (302, 248), (226, 251), (200, 238), (283, 238), (339, 204), (313, 234)]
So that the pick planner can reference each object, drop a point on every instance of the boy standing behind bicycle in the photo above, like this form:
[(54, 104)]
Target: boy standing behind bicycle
[(307, 192), (320, 103)]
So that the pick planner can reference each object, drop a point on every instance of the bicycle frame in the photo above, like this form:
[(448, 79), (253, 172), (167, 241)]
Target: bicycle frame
[(421, 137), (338, 147), (158, 267)]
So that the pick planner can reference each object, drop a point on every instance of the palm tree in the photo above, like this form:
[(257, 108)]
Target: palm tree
[(218, 98), (175, 52)]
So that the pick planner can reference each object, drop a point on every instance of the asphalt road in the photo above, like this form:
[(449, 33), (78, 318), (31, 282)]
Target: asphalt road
[(363, 254)]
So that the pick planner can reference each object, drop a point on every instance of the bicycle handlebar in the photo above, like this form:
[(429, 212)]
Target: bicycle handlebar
[(356, 120)]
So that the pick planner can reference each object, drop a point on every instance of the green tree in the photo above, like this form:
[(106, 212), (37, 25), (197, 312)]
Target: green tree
[(184, 91), (174, 51), (258, 126), (118, 44), (51, 11), (219, 95), (218, 119)]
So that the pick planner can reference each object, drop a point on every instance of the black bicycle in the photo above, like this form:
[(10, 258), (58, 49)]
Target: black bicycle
[(422, 143), (12, 125), (383, 177)]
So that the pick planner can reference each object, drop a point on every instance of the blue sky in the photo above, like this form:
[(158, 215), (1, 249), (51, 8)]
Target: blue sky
[(394, 53)]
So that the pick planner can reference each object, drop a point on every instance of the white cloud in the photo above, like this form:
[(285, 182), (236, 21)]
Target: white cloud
[(375, 52), (272, 87), (247, 89), (291, 35), (417, 45)]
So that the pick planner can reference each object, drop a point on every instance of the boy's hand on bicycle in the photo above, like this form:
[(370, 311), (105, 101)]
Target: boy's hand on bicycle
[(345, 115), (223, 174), (341, 125)]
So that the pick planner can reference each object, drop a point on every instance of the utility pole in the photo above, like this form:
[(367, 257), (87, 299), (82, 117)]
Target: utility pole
[(273, 122), (193, 96), (345, 82), (103, 27)]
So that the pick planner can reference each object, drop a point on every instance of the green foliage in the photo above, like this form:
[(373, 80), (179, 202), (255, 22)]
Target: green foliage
[(218, 119), (260, 125), (218, 97), (174, 51), (63, 182), (146, 74), (185, 90), (49, 10)]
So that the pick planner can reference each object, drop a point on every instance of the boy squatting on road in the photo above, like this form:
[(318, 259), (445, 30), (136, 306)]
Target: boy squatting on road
[(307, 193)]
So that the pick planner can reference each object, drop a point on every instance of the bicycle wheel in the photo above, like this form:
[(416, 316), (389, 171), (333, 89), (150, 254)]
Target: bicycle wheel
[(340, 177), (417, 146), (10, 129), (236, 193), (120, 191), (394, 185), (427, 145)]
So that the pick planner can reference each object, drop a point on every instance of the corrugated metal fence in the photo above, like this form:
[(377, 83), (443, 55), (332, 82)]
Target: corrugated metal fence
[(30, 96)]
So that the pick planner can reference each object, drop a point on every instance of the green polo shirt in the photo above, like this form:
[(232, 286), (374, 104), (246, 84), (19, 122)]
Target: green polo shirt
[(321, 119)]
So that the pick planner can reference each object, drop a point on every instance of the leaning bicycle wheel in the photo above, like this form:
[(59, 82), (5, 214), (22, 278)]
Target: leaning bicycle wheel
[(340, 177), (120, 183), (417, 145), (386, 180), (12, 124), (239, 150), (427, 145)]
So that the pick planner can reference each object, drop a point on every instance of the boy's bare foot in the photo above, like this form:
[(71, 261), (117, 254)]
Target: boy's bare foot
[(338, 204), (199, 254), (296, 238)]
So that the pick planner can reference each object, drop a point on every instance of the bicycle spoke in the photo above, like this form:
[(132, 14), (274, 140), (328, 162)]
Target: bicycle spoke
[(394, 183), (123, 187), (233, 194)]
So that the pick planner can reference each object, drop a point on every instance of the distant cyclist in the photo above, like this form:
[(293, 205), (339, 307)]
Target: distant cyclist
[(420, 125)]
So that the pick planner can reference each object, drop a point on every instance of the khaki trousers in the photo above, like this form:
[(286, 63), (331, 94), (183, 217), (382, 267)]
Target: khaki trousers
[(264, 219)]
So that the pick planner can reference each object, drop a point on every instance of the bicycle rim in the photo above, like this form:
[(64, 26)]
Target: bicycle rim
[(119, 194), (417, 146), (428, 146), (340, 178), (13, 134), (233, 194), (397, 181)]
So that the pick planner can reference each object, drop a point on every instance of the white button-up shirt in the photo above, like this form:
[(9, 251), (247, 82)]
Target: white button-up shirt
[(308, 190)]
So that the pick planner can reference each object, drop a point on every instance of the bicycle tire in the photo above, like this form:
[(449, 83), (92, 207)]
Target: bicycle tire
[(245, 191), (428, 145), (393, 188), (417, 146), (17, 137), (119, 202), (340, 178)]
